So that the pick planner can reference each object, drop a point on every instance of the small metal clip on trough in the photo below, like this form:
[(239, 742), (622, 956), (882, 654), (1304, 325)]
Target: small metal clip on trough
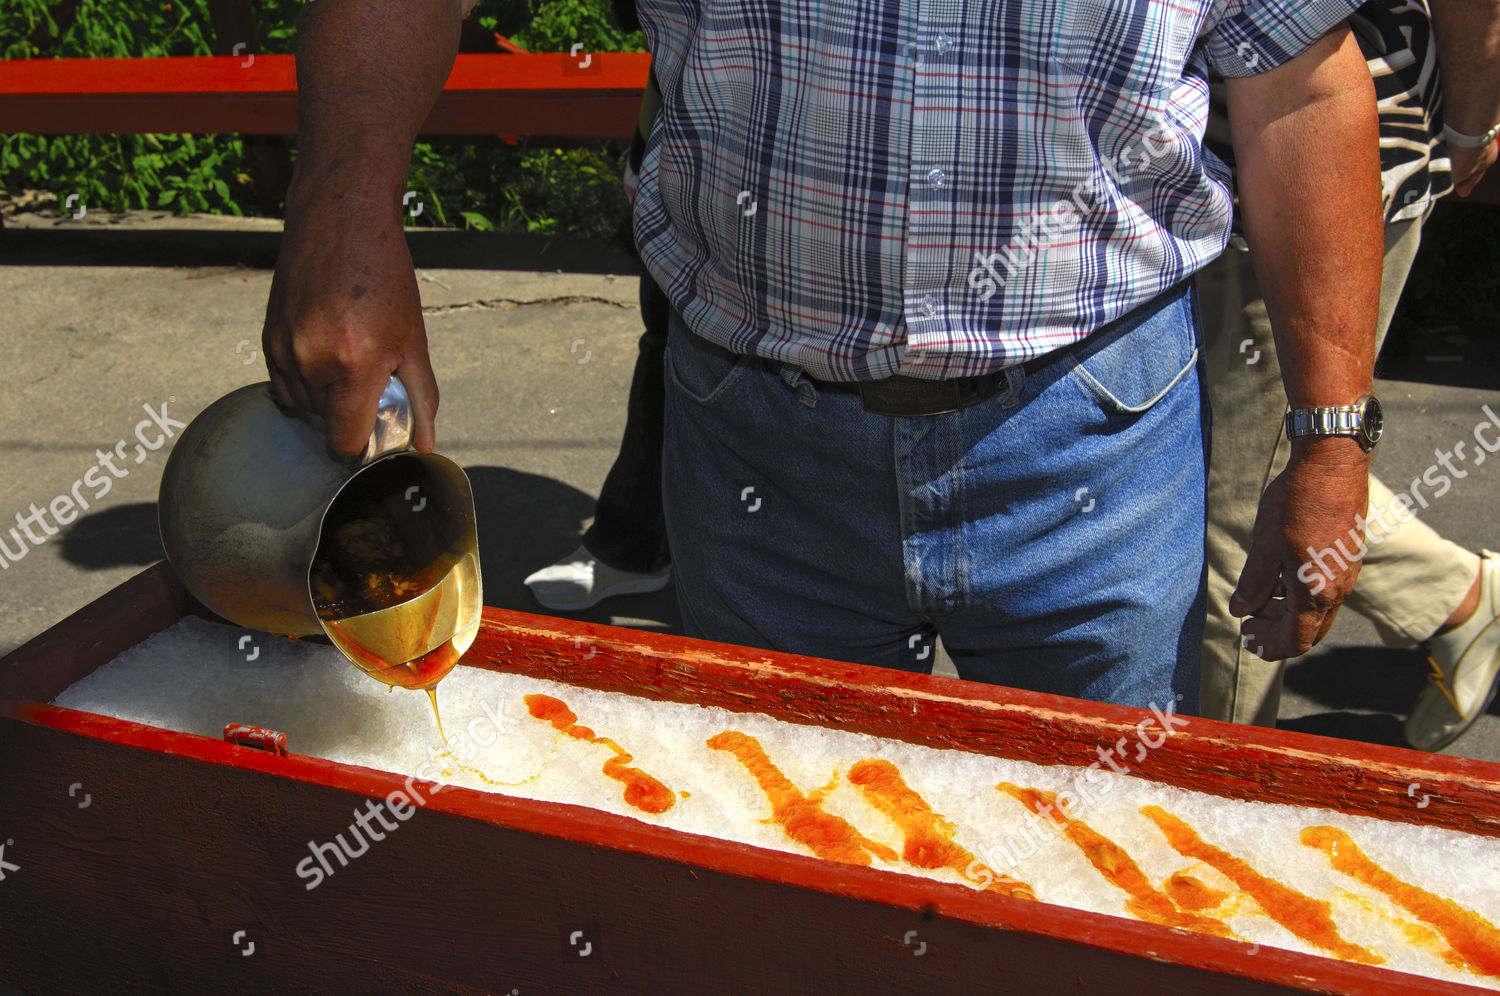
[(256, 736)]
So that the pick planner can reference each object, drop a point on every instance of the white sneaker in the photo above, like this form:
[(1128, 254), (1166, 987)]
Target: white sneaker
[(581, 581), (1465, 669)]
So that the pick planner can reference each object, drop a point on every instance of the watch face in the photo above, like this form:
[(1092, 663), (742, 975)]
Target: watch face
[(1374, 421)]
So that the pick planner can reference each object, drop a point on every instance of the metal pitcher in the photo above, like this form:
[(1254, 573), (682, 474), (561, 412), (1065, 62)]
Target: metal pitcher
[(254, 503)]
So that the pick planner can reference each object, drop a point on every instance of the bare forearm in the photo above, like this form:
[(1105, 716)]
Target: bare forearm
[(1468, 47), (1307, 147), (368, 72), (344, 311), (1306, 142)]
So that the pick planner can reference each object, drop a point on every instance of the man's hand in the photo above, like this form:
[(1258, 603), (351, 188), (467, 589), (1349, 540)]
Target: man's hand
[(1467, 33), (1307, 145), (344, 314), (1469, 166), (1320, 498)]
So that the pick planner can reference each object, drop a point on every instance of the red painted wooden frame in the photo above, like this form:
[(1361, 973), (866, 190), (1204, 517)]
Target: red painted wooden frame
[(588, 95), (224, 824)]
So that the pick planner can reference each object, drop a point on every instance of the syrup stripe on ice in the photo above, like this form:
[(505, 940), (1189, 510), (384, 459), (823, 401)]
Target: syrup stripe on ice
[(1303, 915), (641, 790), (1474, 942), (801, 816), (1119, 868), (929, 836)]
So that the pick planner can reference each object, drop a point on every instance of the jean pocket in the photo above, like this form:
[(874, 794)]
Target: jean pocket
[(1127, 45), (1131, 365), (702, 370)]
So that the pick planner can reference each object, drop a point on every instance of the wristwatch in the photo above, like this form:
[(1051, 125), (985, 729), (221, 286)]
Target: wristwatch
[(1362, 420)]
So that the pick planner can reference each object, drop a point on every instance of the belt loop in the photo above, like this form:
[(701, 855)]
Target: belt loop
[(796, 379), (1015, 381)]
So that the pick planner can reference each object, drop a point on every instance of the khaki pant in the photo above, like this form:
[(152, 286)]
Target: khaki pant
[(1409, 584)]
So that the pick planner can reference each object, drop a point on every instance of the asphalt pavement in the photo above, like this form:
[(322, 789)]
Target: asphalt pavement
[(114, 330)]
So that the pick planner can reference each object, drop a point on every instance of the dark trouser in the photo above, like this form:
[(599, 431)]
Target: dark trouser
[(1051, 535), (629, 532)]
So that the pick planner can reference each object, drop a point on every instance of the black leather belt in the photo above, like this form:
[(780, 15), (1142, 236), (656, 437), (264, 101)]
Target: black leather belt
[(912, 397), (902, 396)]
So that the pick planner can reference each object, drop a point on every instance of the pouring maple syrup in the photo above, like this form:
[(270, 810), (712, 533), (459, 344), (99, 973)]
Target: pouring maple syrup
[(396, 595)]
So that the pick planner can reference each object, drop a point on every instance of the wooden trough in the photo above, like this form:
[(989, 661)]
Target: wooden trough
[(143, 860)]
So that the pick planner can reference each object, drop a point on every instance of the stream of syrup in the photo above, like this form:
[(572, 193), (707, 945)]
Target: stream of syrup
[(432, 697), (1475, 942), (928, 835), (801, 816), (1119, 868), (1308, 918), (458, 765), (641, 790)]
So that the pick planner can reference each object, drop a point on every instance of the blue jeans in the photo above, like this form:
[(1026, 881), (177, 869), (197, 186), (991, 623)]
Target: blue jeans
[(1052, 535)]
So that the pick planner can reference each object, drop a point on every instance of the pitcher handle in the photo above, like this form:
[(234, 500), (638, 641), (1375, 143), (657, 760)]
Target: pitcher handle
[(392, 432)]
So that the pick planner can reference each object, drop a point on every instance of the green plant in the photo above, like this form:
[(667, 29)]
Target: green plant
[(480, 186), (559, 25), (535, 189), (118, 172)]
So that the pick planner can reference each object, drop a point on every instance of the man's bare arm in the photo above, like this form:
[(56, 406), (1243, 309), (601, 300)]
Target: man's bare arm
[(1467, 33), (344, 312), (1306, 145)]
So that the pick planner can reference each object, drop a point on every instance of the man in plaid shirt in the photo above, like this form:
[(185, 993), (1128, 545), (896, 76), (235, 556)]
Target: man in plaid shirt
[(932, 369)]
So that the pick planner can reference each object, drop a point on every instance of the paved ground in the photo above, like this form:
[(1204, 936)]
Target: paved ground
[(534, 343)]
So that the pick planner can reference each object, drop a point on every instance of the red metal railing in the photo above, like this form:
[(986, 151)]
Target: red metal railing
[(588, 95)]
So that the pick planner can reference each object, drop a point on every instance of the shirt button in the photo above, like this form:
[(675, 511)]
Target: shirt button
[(936, 178), (929, 306), (943, 44)]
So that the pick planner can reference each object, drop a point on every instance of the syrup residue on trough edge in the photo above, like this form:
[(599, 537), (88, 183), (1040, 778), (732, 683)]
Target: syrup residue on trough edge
[(928, 835), (1119, 868), (1474, 942), (801, 816), (641, 790), (1308, 918)]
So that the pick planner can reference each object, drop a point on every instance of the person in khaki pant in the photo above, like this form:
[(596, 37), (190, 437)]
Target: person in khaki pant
[(1416, 586)]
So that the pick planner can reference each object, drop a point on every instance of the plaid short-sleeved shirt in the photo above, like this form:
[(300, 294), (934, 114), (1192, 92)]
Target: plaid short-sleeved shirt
[(938, 188)]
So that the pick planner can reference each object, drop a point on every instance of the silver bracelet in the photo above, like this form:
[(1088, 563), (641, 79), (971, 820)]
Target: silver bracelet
[(1463, 141)]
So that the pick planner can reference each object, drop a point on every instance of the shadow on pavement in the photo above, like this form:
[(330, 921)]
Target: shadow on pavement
[(1455, 357), (123, 536), (1369, 691), (1370, 728), (438, 249), (527, 521), (1363, 679)]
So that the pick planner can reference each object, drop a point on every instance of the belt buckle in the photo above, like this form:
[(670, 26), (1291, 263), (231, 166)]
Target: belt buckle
[(907, 397)]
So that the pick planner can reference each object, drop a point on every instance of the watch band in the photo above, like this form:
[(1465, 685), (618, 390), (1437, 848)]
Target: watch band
[(1343, 420), (1363, 421), (1465, 141)]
